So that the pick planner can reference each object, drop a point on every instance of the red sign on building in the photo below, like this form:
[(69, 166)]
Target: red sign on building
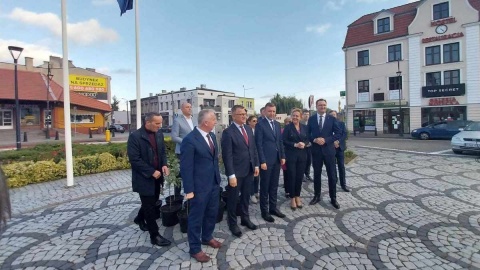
[(443, 101)]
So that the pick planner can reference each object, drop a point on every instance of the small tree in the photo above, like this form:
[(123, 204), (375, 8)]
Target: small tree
[(174, 177)]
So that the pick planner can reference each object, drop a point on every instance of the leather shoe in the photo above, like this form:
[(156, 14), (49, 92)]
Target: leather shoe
[(315, 200), (346, 189), (236, 230), (268, 218), (335, 204), (141, 224), (213, 243), (201, 257), (277, 213), (160, 241), (249, 224)]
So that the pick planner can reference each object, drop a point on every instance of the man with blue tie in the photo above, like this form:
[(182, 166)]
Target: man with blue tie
[(201, 182), (240, 158), (324, 131), (340, 147), (271, 155)]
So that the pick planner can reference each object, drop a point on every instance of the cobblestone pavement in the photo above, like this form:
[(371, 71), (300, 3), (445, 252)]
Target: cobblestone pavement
[(405, 211)]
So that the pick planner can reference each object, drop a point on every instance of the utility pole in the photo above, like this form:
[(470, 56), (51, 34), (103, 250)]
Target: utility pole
[(49, 114), (245, 89)]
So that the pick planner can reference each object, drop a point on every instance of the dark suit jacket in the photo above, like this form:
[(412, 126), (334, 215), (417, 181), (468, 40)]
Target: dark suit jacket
[(269, 146), (343, 137), (198, 166), (238, 157), (141, 154), (291, 137), (330, 132)]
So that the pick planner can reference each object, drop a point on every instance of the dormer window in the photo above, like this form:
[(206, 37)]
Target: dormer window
[(441, 11), (383, 25)]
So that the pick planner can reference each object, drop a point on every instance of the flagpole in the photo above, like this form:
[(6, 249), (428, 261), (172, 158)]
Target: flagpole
[(137, 50), (66, 98)]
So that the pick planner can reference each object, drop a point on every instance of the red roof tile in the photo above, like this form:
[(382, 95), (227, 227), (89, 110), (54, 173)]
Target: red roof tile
[(33, 86), (361, 31)]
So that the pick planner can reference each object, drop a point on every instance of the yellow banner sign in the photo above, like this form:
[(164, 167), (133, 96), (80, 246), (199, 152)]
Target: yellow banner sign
[(88, 83)]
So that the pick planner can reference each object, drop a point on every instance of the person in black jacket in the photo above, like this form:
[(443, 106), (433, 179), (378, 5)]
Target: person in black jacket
[(295, 140), (146, 152), (341, 146)]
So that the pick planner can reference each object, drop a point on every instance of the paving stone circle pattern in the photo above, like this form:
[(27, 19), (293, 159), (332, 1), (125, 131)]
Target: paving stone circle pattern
[(405, 211)]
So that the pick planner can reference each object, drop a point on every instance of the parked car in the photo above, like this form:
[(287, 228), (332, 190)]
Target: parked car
[(116, 128), (440, 130), (166, 129), (467, 140)]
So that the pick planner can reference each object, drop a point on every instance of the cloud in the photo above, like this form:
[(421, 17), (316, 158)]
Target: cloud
[(103, 2), (84, 33), (123, 71), (319, 29), (37, 52), (335, 4)]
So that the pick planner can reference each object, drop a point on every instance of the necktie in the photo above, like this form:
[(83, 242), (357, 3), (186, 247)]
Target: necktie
[(244, 134), (320, 123), (273, 126), (210, 143)]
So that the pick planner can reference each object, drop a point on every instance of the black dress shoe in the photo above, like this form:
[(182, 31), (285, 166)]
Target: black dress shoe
[(141, 224), (315, 200), (235, 230), (346, 189), (160, 241), (277, 213), (249, 224), (335, 204), (268, 218)]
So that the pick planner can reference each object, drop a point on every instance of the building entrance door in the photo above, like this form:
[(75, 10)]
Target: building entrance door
[(6, 119)]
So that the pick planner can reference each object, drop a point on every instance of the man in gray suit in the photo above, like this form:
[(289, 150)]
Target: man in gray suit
[(182, 125)]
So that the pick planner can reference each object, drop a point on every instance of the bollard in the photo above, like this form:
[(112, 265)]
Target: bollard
[(25, 137), (90, 133), (107, 135), (376, 134), (57, 136), (113, 133)]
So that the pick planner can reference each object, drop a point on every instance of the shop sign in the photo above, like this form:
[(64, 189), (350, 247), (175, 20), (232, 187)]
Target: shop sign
[(443, 90), (437, 38), (443, 21), (443, 101), (95, 95)]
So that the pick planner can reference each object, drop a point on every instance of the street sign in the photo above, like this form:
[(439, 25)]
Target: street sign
[(342, 93)]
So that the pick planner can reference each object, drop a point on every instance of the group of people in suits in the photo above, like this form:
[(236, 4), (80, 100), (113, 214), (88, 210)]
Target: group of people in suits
[(248, 151)]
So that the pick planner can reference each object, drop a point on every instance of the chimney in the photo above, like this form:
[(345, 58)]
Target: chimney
[(28, 63), (164, 91), (203, 86), (151, 94), (90, 69), (183, 89)]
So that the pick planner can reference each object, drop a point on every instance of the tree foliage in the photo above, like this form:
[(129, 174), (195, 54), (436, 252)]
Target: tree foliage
[(286, 104), (115, 102)]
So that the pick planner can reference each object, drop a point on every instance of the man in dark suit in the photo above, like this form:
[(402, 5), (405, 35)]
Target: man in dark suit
[(324, 131), (240, 158), (271, 155), (146, 153), (201, 182), (341, 146)]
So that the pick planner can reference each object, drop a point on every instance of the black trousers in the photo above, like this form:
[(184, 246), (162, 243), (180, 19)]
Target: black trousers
[(269, 187), (318, 159), (340, 157), (286, 181), (308, 163), (244, 185), (295, 165), (148, 210)]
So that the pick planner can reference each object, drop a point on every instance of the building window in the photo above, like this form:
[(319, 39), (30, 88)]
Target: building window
[(440, 11), (432, 55), (161, 106), (451, 52), (383, 25), (394, 53), (363, 58), (364, 91), (451, 77), (433, 78), (178, 104), (209, 102), (395, 83), (166, 105), (231, 103)]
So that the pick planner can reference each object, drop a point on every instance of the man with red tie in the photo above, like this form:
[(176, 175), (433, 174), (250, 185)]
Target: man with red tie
[(240, 158)]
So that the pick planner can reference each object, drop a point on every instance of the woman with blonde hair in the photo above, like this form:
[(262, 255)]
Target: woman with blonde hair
[(295, 140)]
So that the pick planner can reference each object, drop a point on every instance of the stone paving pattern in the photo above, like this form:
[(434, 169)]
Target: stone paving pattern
[(405, 211)]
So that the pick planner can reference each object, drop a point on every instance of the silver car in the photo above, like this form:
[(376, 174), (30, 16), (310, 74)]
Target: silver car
[(467, 140)]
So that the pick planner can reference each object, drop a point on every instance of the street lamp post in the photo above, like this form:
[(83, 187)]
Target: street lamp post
[(15, 52), (399, 78), (49, 115)]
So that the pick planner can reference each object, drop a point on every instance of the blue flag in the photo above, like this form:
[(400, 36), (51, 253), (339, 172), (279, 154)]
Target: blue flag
[(125, 5)]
